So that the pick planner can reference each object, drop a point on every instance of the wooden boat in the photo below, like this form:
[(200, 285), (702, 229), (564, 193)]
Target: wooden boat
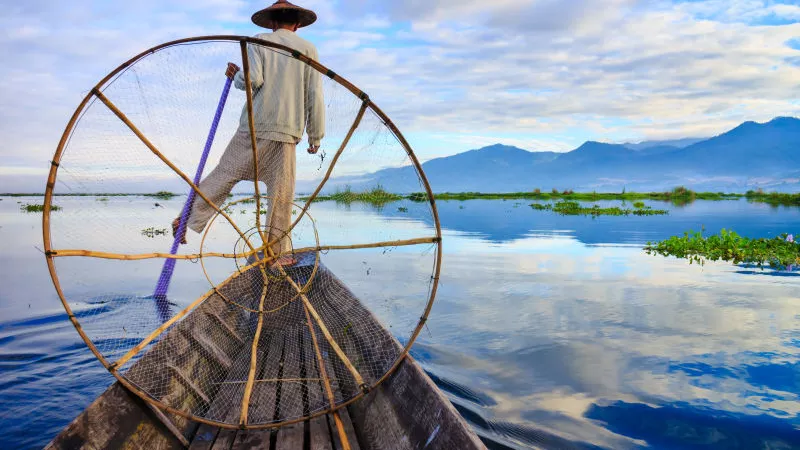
[(406, 411)]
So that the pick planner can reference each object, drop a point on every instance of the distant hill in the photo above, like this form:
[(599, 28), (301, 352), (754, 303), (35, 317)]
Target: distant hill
[(675, 143), (752, 155)]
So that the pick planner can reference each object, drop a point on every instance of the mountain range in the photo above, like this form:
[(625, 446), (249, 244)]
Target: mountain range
[(752, 155)]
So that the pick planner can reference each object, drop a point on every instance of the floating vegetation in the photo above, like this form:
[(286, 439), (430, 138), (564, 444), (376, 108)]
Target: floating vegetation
[(153, 232), (679, 195), (102, 199), (781, 252), (162, 195), (33, 208), (418, 197), (376, 196), (638, 205), (573, 208), (773, 198), (402, 209)]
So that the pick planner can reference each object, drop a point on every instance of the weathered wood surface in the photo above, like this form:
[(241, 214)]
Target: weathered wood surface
[(117, 419), (407, 411)]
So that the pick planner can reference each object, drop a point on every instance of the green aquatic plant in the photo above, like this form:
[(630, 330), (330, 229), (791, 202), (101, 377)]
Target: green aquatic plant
[(778, 252), (33, 208), (678, 196), (638, 205), (162, 195), (573, 208), (773, 198), (376, 196), (153, 232), (402, 209), (418, 197)]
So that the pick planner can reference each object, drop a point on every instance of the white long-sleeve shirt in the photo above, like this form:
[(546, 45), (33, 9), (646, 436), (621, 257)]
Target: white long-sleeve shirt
[(287, 93)]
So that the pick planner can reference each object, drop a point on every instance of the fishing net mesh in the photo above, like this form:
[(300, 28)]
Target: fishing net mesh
[(294, 294)]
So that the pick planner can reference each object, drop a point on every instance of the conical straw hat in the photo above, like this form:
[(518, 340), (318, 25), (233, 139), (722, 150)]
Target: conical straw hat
[(266, 17)]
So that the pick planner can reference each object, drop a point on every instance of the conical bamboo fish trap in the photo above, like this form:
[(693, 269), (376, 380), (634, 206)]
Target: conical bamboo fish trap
[(257, 333)]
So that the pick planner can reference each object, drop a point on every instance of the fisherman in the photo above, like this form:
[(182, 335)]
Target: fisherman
[(287, 100)]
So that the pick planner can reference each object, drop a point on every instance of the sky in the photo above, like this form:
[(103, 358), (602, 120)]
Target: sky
[(454, 75)]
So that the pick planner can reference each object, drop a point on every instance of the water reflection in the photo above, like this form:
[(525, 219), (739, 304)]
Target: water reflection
[(500, 221), (548, 331)]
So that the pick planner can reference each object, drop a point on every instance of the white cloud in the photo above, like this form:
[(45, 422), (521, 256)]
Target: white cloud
[(537, 71)]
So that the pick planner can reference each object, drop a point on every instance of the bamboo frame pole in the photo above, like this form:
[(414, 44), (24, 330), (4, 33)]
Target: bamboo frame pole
[(248, 88), (157, 332), (324, 329), (248, 390), (331, 398), (273, 380), (142, 256), (319, 248), (141, 345), (328, 173), (169, 163), (397, 243)]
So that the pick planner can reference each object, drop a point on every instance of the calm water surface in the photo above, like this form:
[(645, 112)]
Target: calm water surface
[(548, 331)]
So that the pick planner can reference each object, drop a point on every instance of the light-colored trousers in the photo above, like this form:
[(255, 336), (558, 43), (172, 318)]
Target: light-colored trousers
[(276, 168)]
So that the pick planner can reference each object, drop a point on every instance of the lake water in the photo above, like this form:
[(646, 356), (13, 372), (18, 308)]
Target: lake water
[(548, 331)]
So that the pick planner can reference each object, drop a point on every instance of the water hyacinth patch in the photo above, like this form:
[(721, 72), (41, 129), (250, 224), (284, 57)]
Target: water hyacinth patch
[(162, 195), (780, 252), (376, 196), (31, 208), (573, 208)]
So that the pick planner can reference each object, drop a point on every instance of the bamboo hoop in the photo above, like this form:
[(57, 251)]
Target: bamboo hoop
[(50, 256), (266, 258)]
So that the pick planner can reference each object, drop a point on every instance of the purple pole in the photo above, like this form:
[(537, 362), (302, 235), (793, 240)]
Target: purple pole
[(169, 265)]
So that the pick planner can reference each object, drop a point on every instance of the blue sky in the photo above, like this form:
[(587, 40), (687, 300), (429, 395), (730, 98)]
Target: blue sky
[(453, 74)]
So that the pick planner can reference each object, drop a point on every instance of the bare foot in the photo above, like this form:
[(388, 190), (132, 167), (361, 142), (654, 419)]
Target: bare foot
[(286, 261), (175, 224)]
